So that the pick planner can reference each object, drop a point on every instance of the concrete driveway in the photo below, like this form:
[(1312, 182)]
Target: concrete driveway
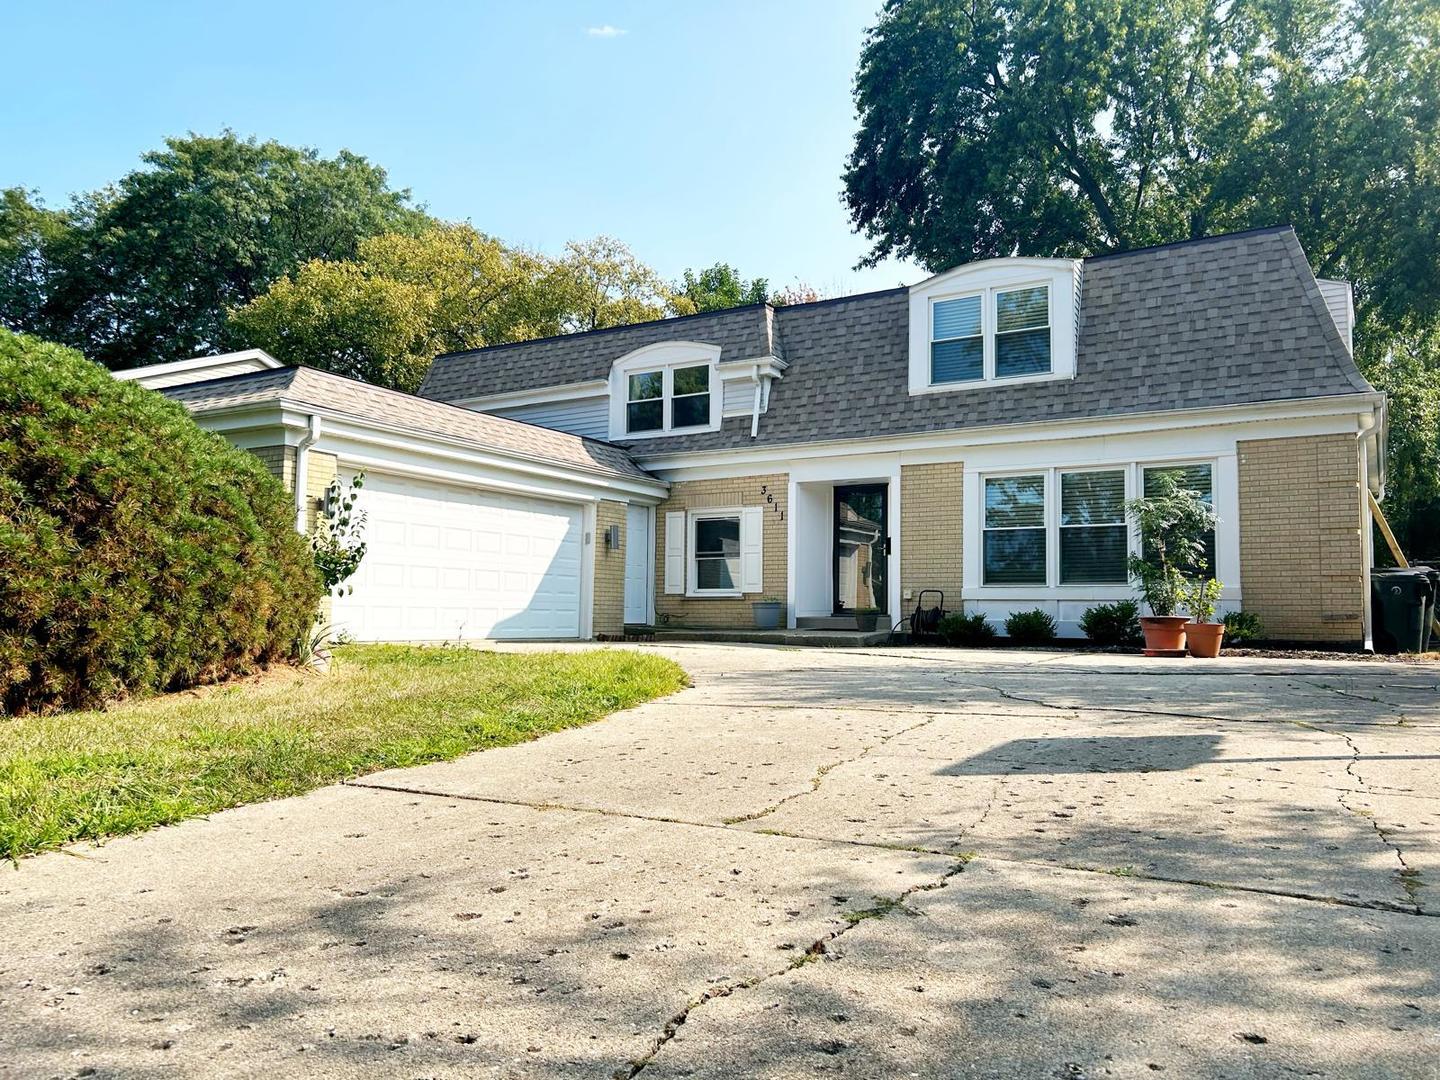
[(884, 864)]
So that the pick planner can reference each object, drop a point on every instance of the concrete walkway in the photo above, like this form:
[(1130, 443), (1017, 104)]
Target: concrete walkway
[(852, 862)]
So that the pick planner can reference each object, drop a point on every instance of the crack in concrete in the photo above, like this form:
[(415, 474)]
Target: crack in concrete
[(915, 849), (817, 949), (1409, 877), (826, 769)]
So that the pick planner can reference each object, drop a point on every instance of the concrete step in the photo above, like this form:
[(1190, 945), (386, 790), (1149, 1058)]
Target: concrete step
[(831, 639)]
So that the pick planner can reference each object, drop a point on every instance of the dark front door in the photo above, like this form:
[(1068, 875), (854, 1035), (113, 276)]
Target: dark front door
[(861, 546)]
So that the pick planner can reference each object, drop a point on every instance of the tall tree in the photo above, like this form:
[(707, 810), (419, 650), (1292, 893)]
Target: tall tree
[(600, 283), (151, 265), (721, 286), (990, 127)]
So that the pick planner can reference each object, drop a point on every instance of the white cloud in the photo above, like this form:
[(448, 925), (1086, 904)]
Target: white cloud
[(606, 31)]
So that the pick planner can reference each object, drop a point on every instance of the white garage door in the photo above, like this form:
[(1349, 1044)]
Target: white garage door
[(453, 563)]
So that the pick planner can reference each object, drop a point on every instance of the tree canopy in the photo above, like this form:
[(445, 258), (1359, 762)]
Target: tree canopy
[(1013, 126), (721, 286), (145, 270)]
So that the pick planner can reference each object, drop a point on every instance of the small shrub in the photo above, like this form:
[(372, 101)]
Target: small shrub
[(957, 628), (1243, 626), (1030, 627), (137, 552), (1113, 625)]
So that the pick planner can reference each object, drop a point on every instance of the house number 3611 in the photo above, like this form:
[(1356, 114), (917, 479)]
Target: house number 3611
[(770, 499)]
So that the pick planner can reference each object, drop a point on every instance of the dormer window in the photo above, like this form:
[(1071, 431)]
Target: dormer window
[(663, 389), (998, 321)]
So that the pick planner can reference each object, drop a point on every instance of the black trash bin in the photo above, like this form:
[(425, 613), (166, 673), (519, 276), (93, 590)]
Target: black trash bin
[(1431, 640), (1401, 602)]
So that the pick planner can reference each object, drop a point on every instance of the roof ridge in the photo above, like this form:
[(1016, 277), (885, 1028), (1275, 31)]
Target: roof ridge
[(1191, 241)]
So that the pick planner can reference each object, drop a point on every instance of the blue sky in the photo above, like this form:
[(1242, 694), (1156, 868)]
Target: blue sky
[(694, 132)]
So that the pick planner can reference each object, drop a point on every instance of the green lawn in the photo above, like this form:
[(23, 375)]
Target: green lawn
[(86, 775)]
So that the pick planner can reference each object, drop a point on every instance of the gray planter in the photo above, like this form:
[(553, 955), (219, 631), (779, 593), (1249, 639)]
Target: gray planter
[(767, 614), (866, 619)]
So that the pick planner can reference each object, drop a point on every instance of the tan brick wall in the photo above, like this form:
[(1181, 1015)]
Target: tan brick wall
[(280, 460), (732, 491), (1302, 554), (931, 531), (609, 613), (320, 469)]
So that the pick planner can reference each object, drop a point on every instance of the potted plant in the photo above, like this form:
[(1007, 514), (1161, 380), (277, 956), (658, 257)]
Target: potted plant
[(1172, 524), (866, 618), (1203, 636), (767, 611)]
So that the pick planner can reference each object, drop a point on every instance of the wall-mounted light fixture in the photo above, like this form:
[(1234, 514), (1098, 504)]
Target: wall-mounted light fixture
[(612, 537)]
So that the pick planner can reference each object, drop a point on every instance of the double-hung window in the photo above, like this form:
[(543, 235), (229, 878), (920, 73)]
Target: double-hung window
[(993, 334), (668, 399), (1094, 539), (645, 409), (1022, 331), (957, 341), (715, 542), (1014, 545), (1199, 479)]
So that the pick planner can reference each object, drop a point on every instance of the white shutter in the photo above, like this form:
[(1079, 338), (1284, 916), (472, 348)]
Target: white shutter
[(674, 553), (752, 563)]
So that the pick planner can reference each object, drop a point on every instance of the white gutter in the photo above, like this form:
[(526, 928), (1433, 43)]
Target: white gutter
[(755, 413), (302, 471)]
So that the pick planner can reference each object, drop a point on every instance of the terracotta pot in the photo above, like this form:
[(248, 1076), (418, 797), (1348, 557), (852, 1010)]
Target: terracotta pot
[(1203, 638), (1164, 634)]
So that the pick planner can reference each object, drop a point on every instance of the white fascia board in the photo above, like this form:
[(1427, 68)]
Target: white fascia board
[(1360, 407), (538, 396), (262, 359), (278, 422), (770, 366)]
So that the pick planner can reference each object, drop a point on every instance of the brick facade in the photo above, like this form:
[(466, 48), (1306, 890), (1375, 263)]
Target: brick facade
[(931, 531), (1302, 552), (737, 491), (280, 460), (609, 610)]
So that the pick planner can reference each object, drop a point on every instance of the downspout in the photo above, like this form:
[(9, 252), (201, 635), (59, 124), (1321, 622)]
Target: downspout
[(302, 472), (1367, 545), (755, 411)]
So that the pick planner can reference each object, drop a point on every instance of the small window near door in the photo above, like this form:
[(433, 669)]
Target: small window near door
[(717, 553), (690, 397), (645, 409), (1094, 540), (1015, 530)]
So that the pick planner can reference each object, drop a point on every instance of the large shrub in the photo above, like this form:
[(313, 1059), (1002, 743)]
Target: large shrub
[(137, 552), (1030, 627), (958, 628)]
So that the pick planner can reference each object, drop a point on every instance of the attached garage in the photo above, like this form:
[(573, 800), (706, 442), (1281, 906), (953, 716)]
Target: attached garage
[(446, 563), (476, 527)]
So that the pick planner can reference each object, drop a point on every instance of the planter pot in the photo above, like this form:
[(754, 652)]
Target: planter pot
[(1164, 634), (1203, 638), (865, 621), (767, 614)]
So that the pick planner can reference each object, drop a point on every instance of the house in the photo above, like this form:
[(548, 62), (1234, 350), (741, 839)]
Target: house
[(977, 432)]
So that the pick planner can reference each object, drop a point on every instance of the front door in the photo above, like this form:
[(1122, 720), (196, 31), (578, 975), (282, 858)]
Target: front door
[(861, 546), (639, 565)]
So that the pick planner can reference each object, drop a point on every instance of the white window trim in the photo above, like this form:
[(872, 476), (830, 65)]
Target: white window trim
[(987, 279), (693, 518), (1134, 484), (664, 357)]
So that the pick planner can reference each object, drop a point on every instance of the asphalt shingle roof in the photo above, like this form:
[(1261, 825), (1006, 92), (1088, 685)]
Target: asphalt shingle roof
[(334, 393), (1227, 320)]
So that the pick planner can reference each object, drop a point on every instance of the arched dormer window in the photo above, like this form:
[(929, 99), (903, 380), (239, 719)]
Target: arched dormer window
[(994, 322), (670, 388)]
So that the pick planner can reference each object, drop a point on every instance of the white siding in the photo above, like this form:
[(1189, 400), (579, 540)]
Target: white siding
[(579, 416), (1340, 300)]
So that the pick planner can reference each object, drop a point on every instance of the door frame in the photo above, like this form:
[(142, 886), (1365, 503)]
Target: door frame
[(883, 489)]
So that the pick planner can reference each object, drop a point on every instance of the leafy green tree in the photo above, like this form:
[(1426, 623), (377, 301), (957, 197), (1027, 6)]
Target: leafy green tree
[(721, 286), (600, 283), (150, 266), (1025, 126)]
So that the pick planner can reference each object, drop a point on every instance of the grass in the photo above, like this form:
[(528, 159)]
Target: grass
[(93, 774)]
